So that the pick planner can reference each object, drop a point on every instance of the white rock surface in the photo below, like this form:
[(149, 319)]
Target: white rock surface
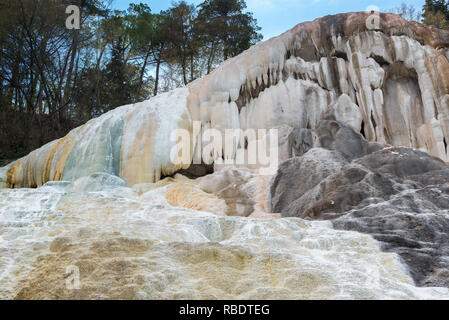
[(128, 246)]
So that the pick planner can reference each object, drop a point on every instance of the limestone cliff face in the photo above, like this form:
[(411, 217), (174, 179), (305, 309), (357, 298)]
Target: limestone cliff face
[(391, 84)]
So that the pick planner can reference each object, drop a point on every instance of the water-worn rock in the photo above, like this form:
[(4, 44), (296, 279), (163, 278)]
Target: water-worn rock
[(334, 135), (235, 187), (300, 141), (399, 195), (344, 110), (299, 175)]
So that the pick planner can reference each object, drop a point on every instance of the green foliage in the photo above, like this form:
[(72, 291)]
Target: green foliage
[(226, 22), (436, 13), (53, 79)]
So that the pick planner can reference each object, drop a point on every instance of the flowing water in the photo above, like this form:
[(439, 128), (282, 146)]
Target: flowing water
[(131, 244)]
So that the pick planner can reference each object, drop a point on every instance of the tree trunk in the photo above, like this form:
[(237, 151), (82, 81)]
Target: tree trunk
[(158, 68), (211, 58), (191, 68), (184, 71), (225, 38), (142, 72), (67, 90)]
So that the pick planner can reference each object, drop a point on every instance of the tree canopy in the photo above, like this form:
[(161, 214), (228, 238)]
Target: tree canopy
[(53, 79), (436, 13)]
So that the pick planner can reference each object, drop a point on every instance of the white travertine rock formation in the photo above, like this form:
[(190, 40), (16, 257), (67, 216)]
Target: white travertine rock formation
[(391, 84), (131, 246), (132, 142)]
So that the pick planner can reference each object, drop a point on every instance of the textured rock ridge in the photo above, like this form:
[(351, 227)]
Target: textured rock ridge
[(390, 84)]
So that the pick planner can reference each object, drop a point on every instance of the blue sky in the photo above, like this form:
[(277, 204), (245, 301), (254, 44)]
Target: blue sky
[(277, 16)]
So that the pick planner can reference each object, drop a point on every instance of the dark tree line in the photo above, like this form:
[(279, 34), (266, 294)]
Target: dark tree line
[(53, 79), (436, 13)]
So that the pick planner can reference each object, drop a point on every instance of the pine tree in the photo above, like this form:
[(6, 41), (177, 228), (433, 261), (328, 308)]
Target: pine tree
[(226, 22), (436, 13)]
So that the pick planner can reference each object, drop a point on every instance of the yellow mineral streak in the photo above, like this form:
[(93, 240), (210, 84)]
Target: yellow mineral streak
[(36, 169), (12, 176), (63, 152), (443, 71), (138, 138), (186, 193), (51, 156), (32, 167), (136, 165)]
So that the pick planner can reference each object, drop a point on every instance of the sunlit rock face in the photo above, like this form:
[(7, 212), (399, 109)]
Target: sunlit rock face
[(391, 84), (130, 243)]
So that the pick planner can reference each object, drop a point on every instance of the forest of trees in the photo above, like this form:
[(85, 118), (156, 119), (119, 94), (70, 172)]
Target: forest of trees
[(53, 79), (436, 13)]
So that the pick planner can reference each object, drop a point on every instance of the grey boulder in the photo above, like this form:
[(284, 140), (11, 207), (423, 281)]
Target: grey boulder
[(398, 195)]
